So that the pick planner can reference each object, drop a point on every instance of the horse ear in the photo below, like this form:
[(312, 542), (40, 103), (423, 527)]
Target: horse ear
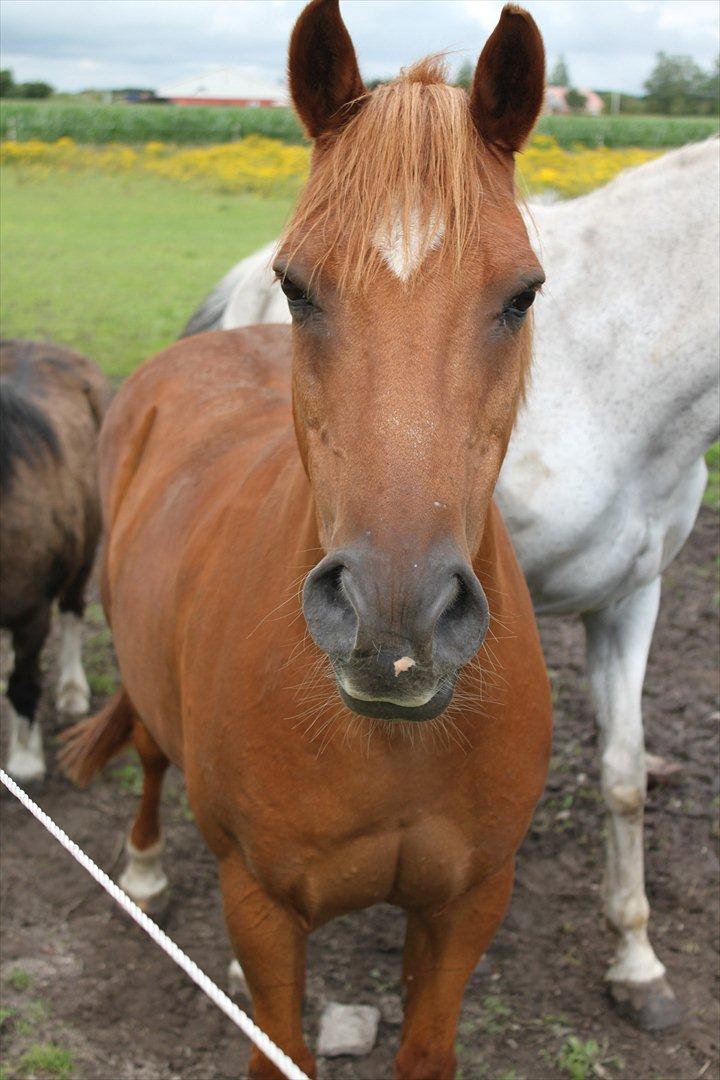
[(509, 84), (324, 74)]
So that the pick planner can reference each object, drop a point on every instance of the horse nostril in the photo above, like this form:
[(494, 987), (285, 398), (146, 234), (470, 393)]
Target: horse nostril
[(329, 614), (460, 629)]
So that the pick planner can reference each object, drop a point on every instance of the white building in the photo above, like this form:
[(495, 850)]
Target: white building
[(226, 86)]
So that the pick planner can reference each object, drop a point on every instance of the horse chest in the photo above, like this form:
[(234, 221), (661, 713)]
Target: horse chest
[(410, 859)]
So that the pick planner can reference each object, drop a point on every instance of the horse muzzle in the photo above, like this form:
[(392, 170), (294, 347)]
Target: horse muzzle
[(396, 635)]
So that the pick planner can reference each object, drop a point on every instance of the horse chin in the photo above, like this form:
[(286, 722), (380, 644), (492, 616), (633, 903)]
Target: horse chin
[(380, 709)]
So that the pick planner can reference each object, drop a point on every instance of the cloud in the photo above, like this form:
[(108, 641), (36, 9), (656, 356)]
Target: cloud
[(72, 43)]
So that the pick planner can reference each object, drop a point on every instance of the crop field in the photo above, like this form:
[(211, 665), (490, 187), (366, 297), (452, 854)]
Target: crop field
[(260, 166), (199, 125)]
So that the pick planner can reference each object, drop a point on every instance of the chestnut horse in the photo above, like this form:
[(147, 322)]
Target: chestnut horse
[(409, 275)]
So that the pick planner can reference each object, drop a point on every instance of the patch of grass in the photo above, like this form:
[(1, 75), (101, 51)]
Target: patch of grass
[(113, 266), (100, 640), (95, 615), (582, 1060), (102, 685), (19, 979), (496, 1015), (712, 492), (33, 1014), (47, 1059), (184, 806), (129, 777)]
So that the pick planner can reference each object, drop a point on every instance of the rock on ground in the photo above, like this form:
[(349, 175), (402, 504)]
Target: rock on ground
[(347, 1029)]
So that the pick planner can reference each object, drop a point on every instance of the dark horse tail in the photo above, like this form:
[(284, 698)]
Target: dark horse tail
[(91, 743), (26, 433)]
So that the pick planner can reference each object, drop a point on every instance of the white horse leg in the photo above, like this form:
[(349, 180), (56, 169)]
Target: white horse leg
[(73, 692), (237, 983), (144, 879), (618, 642), (26, 760)]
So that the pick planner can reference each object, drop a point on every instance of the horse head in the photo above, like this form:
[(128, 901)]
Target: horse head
[(409, 276)]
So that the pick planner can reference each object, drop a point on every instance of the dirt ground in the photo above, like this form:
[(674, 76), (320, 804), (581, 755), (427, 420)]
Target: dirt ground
[(85, 994)]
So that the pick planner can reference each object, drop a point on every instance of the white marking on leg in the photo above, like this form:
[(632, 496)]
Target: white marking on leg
[(237, 983), (73, 693), (143, 878), (404, 250), (26, 761), (618, 644)]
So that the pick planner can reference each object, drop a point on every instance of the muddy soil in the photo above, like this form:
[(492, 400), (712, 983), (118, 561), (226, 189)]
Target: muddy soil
[(86, 994)]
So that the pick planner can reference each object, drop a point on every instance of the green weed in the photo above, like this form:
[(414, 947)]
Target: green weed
[(584, 1059), (129, 777), (47, 1058), (18, 979), (712, 492)]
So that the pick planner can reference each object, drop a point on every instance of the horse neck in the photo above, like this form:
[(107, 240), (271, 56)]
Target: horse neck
[(626, 334)]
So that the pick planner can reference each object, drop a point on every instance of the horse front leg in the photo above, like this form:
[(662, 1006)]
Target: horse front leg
[(618, 643), (442, 950), (271, 947), (26, 760)]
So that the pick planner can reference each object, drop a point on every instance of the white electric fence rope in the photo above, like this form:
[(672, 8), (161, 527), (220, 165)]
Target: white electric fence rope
[(263, 1042)]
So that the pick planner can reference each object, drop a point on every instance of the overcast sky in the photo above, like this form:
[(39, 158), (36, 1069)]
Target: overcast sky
[(608, 44)]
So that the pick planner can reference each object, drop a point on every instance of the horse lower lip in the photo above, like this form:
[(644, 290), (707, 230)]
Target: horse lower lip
[(387, 710)]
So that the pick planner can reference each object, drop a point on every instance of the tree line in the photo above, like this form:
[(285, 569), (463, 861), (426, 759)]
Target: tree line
[(677, 86), (9, 88)]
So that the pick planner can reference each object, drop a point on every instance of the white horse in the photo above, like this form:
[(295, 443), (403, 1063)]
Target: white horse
[(605, 472)]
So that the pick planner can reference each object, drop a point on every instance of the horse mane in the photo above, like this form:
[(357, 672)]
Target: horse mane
[(408, 163), (26, 433)]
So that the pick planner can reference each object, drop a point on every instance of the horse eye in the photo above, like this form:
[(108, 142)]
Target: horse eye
[(295, 294), (521, 303)]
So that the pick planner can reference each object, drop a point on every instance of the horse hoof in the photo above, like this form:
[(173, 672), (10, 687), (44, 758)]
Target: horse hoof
[(157, 907), (145, 881), (651, 1006), (25, 767), (72, 700)]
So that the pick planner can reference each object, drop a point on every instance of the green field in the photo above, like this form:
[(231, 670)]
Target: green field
[(114, 266), (93, 123)]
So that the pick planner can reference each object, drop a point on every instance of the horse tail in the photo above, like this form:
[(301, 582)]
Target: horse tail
[(89, 745), (26, 433)]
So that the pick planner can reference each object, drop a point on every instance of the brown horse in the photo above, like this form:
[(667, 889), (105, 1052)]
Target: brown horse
[(51, 406), (409, 274)]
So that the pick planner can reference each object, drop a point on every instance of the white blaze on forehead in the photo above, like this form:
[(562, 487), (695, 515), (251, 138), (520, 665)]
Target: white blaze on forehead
[(405, 246)]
